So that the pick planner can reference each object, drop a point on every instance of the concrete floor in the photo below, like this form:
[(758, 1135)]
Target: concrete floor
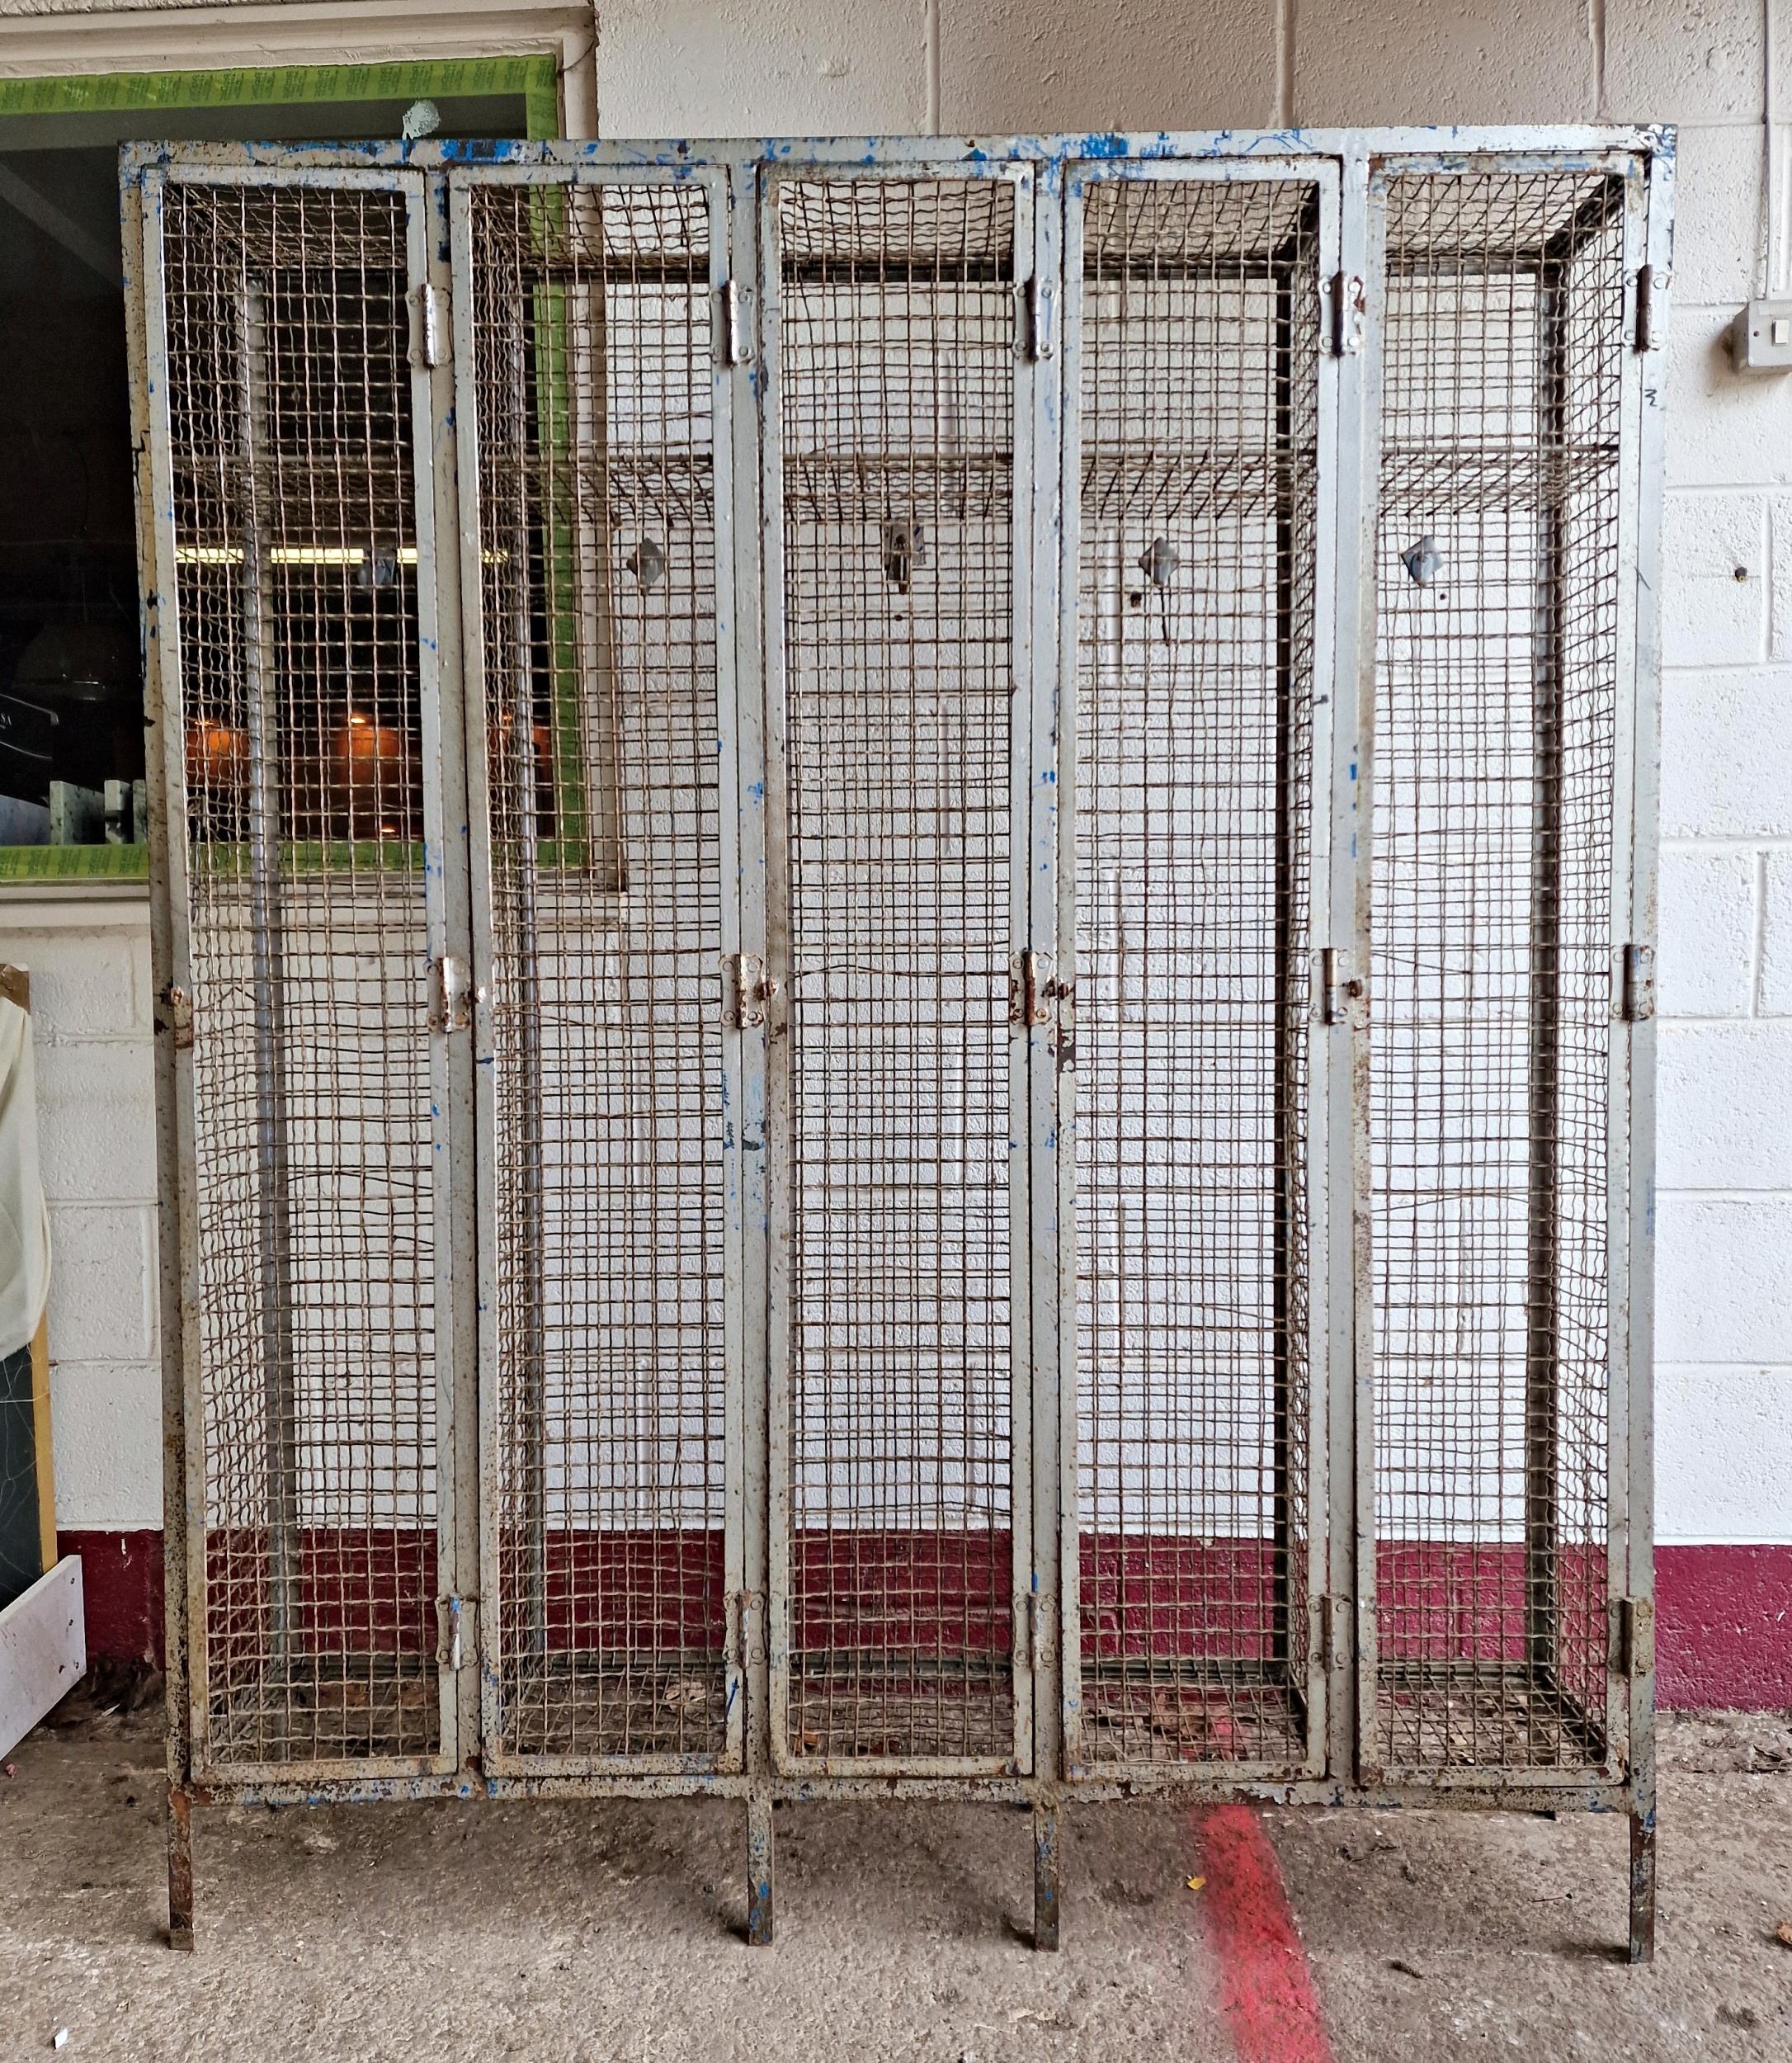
[(607, 1931)]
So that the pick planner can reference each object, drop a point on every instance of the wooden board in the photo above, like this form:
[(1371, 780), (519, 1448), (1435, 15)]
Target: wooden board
[(43, 1650)]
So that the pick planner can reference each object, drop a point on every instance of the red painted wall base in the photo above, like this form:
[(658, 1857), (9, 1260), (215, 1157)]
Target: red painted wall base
[(1723, 1622)]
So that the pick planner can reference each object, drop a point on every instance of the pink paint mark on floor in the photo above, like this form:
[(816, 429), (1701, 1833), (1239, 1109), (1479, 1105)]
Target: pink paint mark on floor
[(1266, 1983)]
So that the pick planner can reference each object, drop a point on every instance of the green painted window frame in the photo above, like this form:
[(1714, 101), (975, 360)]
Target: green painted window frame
[(534, 79)]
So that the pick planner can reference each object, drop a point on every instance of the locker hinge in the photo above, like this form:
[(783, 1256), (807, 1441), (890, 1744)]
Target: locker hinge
[(451, 994), (1037, 302), (1650, 287), (429, 331), (749, 1628), (1032, 1628), (1636, 984), (1340, 320), (745, 989), (1337, 985), (450, 1629), (179, 1003), (1030, 989), (1636, 1635), (734, 323), (1330, 1631)]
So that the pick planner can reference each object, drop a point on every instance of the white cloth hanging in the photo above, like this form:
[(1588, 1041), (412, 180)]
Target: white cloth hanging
[(24, 1221)]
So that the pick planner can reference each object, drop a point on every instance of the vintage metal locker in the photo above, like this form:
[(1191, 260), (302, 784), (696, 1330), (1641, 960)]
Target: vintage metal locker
[(1200, 422), (897, 496), (903, 910)]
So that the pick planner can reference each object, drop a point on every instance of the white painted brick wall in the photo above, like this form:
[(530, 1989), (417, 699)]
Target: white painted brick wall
[(90, 1010), (723, 66)]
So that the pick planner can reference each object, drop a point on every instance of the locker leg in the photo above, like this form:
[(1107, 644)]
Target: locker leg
[(1642, 1887), (1047, 1868), (180, 1868), (759, 1868)]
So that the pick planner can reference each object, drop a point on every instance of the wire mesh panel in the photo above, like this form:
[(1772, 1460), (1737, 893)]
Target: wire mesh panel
[(1491, 989), (1197, 402), (895, 377), (593, 374), (295, 542)]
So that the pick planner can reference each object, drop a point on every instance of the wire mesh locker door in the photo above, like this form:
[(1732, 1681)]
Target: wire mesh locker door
[(896, 486), (1199, 420), (1499, 859), (604, 827), (291, 537)]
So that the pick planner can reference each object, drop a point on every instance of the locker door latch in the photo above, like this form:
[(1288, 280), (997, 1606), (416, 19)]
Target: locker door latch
[(1338, 987), (1636, 1635), (180, 1016), (1037, 303), (1636, 984), (1030, 989), (745, 991), (450, 1612), (451, 994), (734, 306), (429, 338), (1651, 287), (1342, 300)]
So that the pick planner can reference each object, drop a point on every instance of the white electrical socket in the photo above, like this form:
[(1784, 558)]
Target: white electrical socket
[(1760, 338)]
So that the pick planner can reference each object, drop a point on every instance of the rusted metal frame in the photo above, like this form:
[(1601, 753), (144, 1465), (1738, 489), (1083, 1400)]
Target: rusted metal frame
[(1649, 220), (783, 162), (1469, 1790), (152, 167), (1310, 1655), (447, 901), (769, 1456), (1038, 821), (741, 804), (1034, 1586), (1350, 1653), (1542, 1316), (176, 1226), (483, 1424), (598, 1771), (1570, 146), (1320, 1659), (740, 529), (256, 484), (1058, 1092)]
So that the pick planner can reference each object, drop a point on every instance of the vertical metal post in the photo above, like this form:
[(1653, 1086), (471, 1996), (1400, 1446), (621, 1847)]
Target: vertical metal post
[(1352, 1747), (1041, 749), (765, 1052), (760, 1914), (448, 730), (268, 975), (1048, 1856), (1634, 1219), (524, 805), (140, 212), (1642, 1939), (1542, 1372), (180, 1867)]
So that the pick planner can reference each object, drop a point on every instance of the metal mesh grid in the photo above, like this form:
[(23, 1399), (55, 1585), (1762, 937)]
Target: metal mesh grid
[(290, 412), (593, 358), (897, 375), (1199, 410), (1497, 666)]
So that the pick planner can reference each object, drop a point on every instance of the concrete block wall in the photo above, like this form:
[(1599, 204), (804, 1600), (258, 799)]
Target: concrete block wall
[(91, 996), (1725, 1209)]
